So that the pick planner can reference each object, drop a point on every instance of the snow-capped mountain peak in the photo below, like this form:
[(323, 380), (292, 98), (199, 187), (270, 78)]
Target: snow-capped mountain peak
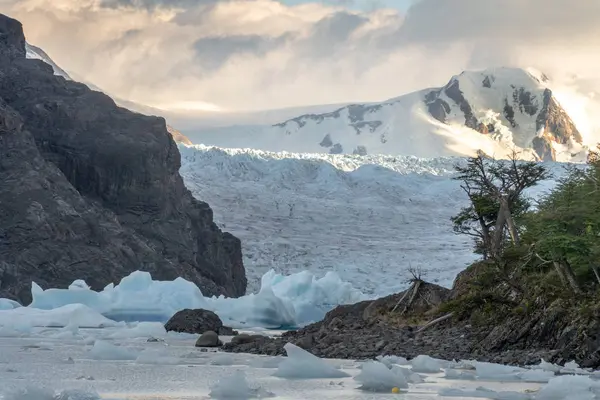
[(510, 105), (496, 110)]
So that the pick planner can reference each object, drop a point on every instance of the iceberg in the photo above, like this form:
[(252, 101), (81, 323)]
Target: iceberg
[(282, 301), (6, 304)]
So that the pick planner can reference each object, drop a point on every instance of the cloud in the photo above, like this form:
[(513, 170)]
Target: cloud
[(214, 51), (258, 54)]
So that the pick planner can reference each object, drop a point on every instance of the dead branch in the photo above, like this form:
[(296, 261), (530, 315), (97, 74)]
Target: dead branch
[(403, 297), (413, 296), (435, 321)]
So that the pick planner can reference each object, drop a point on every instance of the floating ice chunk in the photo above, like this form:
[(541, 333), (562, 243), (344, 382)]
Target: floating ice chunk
[(426, 364), (483, 393), (410, 376), (236, 387), (497, 372), (569, 387), (311, 297), (462, 364), (7, 304), (107, 351), (573, 368), (79, 284), (223, 359), (156, 356), (377, 377), (264, 309), (72, 314), (460, 375), (300, 364), (546, 366), (538, 376), (391, 360), (283, 301), (141, 330)]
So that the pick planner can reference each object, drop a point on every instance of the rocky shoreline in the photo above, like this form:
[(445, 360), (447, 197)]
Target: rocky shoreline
[(373, 328)]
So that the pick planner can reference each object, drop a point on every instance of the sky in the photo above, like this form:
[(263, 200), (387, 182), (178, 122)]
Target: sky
[(240, 55)]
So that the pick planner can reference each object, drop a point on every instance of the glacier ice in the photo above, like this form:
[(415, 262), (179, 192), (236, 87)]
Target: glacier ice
[(283, 301)]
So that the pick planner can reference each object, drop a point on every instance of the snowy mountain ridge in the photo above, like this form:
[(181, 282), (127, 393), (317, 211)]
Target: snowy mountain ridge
[(495, 110)]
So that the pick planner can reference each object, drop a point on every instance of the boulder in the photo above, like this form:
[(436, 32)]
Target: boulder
[(209, 339), (197, 321), (246, 338)]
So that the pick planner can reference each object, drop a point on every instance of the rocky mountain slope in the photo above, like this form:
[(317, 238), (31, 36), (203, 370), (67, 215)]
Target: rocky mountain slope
[(495, 110), (92, 191), (33, 52)]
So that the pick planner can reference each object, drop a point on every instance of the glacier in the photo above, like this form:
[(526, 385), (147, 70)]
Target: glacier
[(282, 302), (367, 218)]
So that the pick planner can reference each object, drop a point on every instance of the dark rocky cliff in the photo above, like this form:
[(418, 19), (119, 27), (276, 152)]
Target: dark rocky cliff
[(92, 191)]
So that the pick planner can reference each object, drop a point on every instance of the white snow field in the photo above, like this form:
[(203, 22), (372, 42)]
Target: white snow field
[(367, 218), (143, 362)]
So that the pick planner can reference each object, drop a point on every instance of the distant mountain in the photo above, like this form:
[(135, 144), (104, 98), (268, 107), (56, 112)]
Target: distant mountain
[(495, 110)]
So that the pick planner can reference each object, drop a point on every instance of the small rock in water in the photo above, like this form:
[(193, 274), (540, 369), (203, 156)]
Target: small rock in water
[(209, 339)]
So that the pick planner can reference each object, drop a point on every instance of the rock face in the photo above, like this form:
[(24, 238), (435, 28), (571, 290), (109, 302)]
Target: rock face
[(197, 321), (92, 191)]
